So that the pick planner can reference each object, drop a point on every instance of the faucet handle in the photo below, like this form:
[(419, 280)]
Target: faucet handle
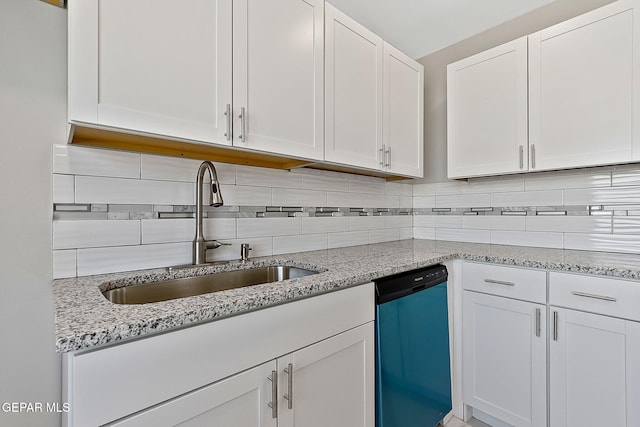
[(214, 244), (244, 251)]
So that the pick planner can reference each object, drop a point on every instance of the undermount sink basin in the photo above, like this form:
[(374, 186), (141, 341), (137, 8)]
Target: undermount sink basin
[(198, 285)]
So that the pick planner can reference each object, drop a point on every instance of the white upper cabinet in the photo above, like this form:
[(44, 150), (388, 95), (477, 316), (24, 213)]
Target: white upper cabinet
[(353, 92), (487, 112), (584, 105), (374, 100), (278, 61), (153, 66), (582, 108), (403, 95)]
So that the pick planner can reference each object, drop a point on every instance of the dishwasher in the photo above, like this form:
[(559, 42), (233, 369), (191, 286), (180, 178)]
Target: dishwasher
[(413, 375)]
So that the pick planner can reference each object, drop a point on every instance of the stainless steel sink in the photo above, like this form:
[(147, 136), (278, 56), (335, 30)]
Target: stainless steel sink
[(198, 285)]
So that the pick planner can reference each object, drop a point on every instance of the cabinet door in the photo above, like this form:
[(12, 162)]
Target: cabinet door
[(153, 66), (504, 358), (241, 400), (594, 374), (353, 91), (278, 62), (487, 112), (332, 382), (403, 94), (583, 76)]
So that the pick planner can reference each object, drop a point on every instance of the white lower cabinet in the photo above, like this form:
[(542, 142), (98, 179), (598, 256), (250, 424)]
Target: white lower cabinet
[(330, 383), (504, 358), (288, 365)]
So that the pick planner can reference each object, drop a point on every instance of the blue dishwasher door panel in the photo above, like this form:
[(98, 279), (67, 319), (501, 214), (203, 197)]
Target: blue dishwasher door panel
[(413, 383)]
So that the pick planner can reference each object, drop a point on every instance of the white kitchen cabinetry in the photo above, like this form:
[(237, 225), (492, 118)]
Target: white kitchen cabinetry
[(504, 344), (278, 63), (353, 92), (374, 100), (153, 66), (487, 112), (563, 97), (165, 68), (403, 105), (593, 372), (219, 370), (583, 97)]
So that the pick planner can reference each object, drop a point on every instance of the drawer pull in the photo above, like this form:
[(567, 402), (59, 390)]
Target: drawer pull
[(555, 326), (601, 297), (274, 394), (538, 315), (499, 282)]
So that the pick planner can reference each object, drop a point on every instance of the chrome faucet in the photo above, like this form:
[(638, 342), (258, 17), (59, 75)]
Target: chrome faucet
[(200, 245)]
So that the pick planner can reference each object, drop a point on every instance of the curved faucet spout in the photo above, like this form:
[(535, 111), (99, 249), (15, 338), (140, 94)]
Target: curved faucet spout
[(199, 243)]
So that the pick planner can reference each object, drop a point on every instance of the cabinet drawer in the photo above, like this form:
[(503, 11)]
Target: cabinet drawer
[(511, 282), (611, 297)]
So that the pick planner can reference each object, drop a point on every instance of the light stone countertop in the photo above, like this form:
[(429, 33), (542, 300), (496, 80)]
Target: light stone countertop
[(84, 318)]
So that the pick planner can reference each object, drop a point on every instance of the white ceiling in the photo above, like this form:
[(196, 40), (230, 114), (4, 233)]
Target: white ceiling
[(420, 27)]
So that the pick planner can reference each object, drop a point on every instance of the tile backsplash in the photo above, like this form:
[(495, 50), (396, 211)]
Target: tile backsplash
[(594, 209), (118, 211)]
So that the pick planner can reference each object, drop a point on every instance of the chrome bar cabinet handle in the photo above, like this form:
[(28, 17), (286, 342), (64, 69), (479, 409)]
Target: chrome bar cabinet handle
[(227, 114), (555, 326), (533, 156), (243, 124), (274, 394), (594, 296), (499, 282), (289, 396), (538, 314), (388, 156), (381, 155), (521, 157)]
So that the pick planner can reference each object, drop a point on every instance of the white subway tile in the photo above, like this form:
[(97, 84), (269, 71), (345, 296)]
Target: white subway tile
[(63, 188), (406, 233), (313, 225), (527, 238), (183, 229), (405, 202), (558, 180), (64, 264), (527, 198), (626, 225), (266, 177), (493, 185), (463, 201), (133, 191), (94, 233), (236, 195), (352, 200), (385, 235), (262, 227), (437, 221), (292, 244), (627, 243), (462, 235), (126, 258), (348, 238), (398, 189), (366, 185), (570, 223), (617, 196), (438, 189), (260, 246), (424, 233), (326, 181), (398, 221), (625, 175), (424, 202), (177, 169), (384, 201), (76, 160), (293, 197), (365, 222), (493, 222)]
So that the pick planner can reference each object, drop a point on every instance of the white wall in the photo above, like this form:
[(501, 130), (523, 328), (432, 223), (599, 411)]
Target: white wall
[(32, 118)]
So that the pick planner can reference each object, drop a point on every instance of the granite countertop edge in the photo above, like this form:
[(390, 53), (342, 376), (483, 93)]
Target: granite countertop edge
[(84, 319)]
